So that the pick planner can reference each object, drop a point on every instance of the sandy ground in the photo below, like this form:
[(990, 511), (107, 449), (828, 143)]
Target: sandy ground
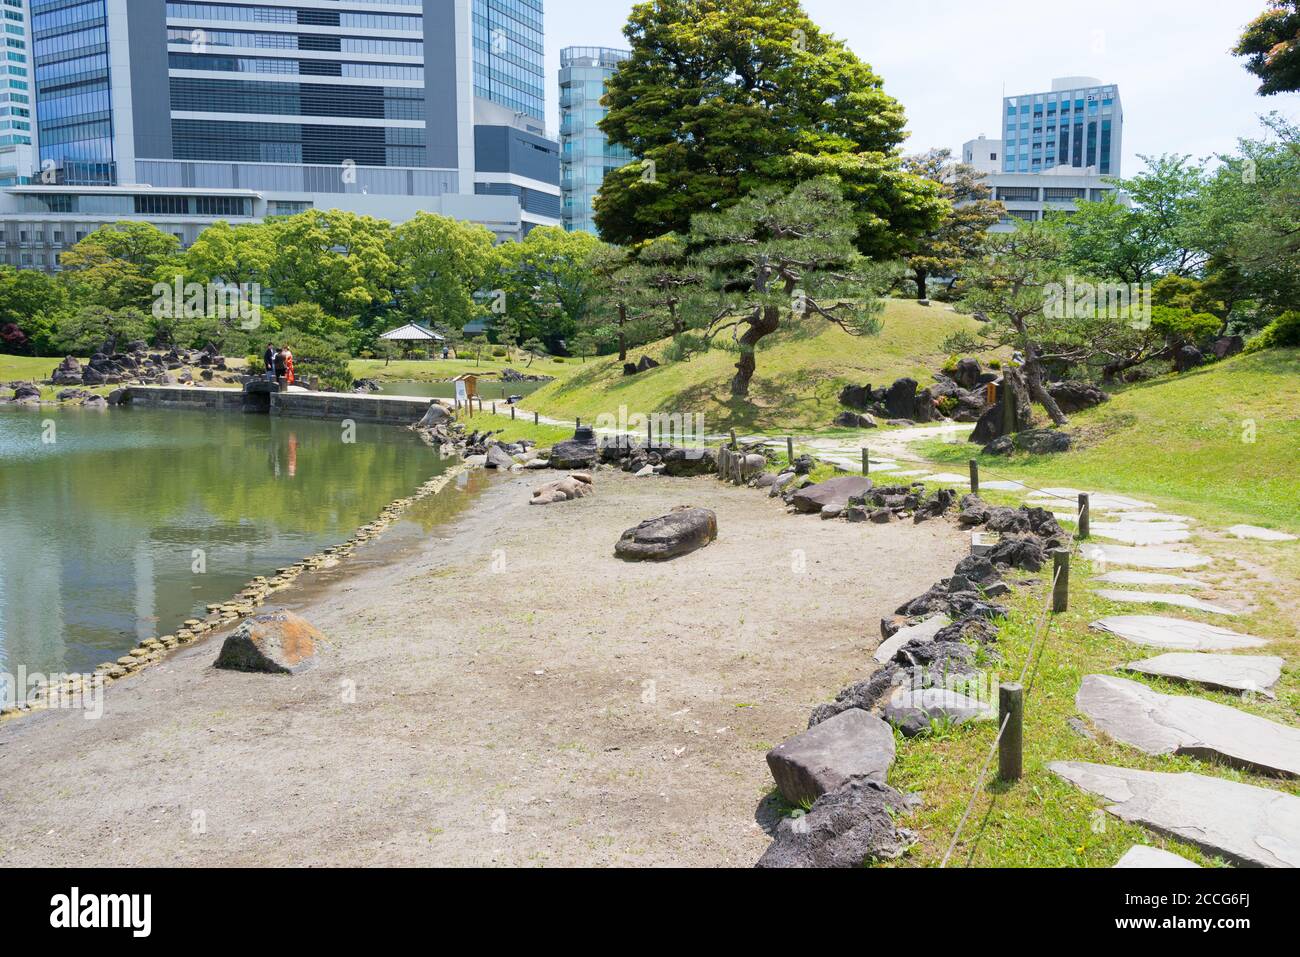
[(510, 694)]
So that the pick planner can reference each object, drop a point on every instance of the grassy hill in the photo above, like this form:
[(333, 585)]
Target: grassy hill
[(800, 375), (1186, 439)]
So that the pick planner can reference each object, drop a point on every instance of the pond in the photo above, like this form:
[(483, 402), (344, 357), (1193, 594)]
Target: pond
[(117, 525)]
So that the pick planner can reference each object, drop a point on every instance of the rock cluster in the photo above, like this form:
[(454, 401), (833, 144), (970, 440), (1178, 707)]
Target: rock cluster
[(136, 365), (633, 456), (514, 375)]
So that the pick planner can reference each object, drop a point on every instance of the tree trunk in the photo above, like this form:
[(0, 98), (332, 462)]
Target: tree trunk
[(922, 284), (622, 336), (1034, 377), (765, 321)]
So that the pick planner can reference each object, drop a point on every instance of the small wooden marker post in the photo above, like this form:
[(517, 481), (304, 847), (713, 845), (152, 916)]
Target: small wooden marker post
[(578, 423), (512, 413), (1011, 699), (1085, 516), (537, 418), (866, 462), (649, 434), (974, 477), (733, 440), (789, 450), (494, 408), (1061, 577)]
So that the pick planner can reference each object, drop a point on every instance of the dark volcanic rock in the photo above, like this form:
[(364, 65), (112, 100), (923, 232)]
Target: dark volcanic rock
[(1074, 397), (685, 463), (900, 399), (833, 492), (1043, 441), (574, 454), (681, 532), (275, 643), (864, 695), (1020, 551), (846, 828)]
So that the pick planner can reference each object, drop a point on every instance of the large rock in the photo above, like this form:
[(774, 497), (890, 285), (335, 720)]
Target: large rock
[(922, 632), (1176, 634), (846, 828), (1246, 825), (851, 746), (681, 532), (576, 486), (1180, 724), (900, 399), (1043, 441), (1074, 397), (687, 463), (437, 415), (499, 458), (833, 492), (1239, 673), (579, 452), (915, 710), (277, 643)]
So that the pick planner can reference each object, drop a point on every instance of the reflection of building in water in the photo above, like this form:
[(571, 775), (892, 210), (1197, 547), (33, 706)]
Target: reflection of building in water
[(146, 604), (31, 599)]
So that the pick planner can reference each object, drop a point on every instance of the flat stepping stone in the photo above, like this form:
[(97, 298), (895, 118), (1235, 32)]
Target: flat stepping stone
[(849, 746), (1254, 533), (1154, 517), (1143, 557), (1158, 598), (1138, 533), (922, 632), (1098, 501), (1246, 825), (911, 473), (1242, 673), (1159, 724), (948, 478), (1148, 578), (1152, 858), (1176, 634), (1000, 486), (913, 710)]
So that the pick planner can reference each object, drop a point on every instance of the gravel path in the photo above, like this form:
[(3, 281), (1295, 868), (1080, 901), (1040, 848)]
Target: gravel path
[(508, 695)]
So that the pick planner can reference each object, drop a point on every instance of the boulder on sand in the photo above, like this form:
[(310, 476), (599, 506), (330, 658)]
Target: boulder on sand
[(276, 643), (579, 452), (578, 485), (852, 745), (681, 532), (845, 828), (499, 458), (833, 492)]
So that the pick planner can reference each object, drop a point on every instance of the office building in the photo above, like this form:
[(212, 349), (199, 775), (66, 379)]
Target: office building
[(1058, 148), (17, 122), (585, 153), (183, 113)]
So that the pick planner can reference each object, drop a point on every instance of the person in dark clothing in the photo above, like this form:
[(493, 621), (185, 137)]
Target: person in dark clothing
[(268, 360), (281, 364)]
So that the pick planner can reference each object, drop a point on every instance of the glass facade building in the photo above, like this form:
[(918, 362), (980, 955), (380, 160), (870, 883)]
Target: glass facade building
[(586, 155), (510, 55), (74, 103), (16, 96), (1078, 124)]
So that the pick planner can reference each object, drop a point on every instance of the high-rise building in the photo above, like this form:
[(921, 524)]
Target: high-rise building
[(17, 121), (183, 113), (1058, 148), (586, 155)]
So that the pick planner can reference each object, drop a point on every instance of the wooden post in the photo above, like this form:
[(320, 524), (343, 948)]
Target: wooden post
[(1011, 699), (1061, 576), (974, 477), (789, 450), (733, 439), (512, 413), (537, 418), (1085, 516), (866, 462), (578, 423)]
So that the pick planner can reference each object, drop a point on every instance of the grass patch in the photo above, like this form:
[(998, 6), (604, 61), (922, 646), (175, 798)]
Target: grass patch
[(440, 370), (1043, 821), (1181, 441), (800, 375)]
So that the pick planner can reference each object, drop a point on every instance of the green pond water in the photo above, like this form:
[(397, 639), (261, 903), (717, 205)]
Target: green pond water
[(132, 520)]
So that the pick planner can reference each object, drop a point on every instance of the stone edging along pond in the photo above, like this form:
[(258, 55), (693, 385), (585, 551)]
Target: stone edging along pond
[(223, 614)]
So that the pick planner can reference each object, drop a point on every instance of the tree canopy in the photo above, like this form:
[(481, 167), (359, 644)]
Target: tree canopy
[(1271, 46)]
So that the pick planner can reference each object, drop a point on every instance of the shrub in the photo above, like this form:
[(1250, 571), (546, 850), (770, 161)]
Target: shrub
[(499, 352), (1283, 332)]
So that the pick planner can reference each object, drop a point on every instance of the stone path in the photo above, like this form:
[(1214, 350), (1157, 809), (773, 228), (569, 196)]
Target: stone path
[(1152, 857), (1177, 634), (1246, 825), (1242, 673), (1164, 598), (1158, 724)]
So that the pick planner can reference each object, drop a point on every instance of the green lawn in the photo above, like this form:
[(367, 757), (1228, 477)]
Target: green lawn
[(1222, 442), (797, 386), (439, 370), (1043, 821)]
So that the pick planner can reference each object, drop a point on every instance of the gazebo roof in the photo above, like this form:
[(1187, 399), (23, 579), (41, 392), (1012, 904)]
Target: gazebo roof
[(412, 333)]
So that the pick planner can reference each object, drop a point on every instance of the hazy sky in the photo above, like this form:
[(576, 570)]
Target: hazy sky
[(951, 61)]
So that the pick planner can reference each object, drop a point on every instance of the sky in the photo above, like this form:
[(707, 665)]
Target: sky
[(950, 62)]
